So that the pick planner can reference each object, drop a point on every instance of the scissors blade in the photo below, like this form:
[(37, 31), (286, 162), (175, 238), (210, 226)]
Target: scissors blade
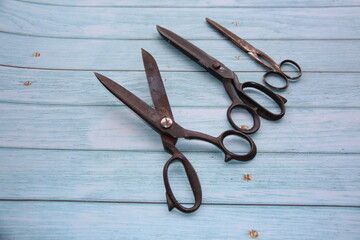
[(212, 65), (157, 91), (147, 113), (191, 50), (241, 43), (156, 85)]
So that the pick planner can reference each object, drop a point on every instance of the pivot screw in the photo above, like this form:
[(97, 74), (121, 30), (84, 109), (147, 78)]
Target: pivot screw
[(166, 122), (216, 65)]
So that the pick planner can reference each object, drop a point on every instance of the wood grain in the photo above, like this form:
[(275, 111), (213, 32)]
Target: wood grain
[(129, 221), (115, 127), (95, 54), (184, 89), (76, 164), (200, 3), (280, 179), (127, 23)]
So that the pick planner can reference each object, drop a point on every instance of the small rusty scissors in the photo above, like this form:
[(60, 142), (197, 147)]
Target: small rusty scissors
[(260, 57), (235, 89), (162, 121)]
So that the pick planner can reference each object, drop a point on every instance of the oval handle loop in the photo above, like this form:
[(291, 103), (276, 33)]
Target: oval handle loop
[(262, 111), (251, 111), (193, 180), (219, 142), (231, 155), (295, 65), (279, 75)]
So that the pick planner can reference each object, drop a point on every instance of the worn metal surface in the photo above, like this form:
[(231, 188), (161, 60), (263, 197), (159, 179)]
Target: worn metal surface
[(170, 133), (234, 89), (260, 57)]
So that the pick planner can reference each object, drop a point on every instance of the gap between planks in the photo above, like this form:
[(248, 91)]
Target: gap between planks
[(189, 39), (134, 70), (156, 151), (164, 203), (193, 6)]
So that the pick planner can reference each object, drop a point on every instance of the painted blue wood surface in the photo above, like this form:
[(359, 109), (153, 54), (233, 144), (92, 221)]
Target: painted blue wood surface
[(201, 3), (184, 89), (139, 23), (321, 130), (278, 178), (120, 55), (75, 163), (49, 220)]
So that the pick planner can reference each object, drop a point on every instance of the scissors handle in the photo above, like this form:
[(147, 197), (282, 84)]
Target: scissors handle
[(282, 75), (238, 104), (219, 142), (295, 65), (261, 111), (193, 180), (243, 128), (278, 74)]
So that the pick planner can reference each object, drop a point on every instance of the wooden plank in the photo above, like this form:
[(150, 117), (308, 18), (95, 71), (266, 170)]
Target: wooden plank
[(115, 127), (300, 179), (312, 55), (81, 192), (43, 220), (201, 3), (183, 88), (127, 23)]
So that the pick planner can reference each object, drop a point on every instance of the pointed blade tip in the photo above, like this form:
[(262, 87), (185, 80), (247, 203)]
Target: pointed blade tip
[(144, 52), (98, 76), (102, 79), (146, 55), (211, 22), (160, 29)]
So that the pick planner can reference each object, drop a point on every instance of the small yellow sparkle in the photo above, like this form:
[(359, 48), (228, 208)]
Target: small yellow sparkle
[(247, 177), (27, 83), (244, 127), (253, 234)]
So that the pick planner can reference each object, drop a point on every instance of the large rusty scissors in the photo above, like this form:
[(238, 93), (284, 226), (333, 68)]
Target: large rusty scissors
[(235, 89), (162, 121)]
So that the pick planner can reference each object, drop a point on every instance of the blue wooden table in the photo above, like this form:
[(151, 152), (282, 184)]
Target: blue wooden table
[(76, 164)]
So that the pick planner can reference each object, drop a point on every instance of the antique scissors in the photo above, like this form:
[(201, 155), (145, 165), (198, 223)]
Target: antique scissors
[(260, 57), (162, 121), (235, 89)]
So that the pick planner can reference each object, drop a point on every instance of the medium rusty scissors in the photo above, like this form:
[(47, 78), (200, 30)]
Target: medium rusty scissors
[(162, 121), (235, 89), (260, 57)]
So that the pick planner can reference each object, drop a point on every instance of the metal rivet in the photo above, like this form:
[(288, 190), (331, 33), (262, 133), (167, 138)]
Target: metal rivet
[(27, 83), (37, 54), (247, 177), (216, 65), (166, 122), (253, 234)]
